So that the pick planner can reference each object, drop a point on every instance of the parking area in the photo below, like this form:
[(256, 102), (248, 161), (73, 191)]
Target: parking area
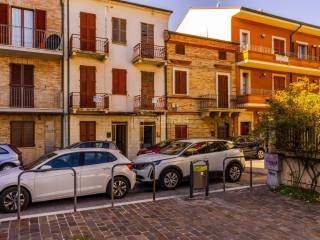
[(140, 193), (240, 214)]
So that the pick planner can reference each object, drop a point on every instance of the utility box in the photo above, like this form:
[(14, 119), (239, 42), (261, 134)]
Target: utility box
[(273, 165), (199, 176)]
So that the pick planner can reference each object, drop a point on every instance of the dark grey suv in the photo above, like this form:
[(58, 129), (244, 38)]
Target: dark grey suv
[(251, 146)]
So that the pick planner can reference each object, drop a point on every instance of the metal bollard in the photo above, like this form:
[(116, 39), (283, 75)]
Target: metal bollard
[(224, 171)]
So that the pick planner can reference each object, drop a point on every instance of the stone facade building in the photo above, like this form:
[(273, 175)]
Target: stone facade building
[(31, 76), (201, 87)]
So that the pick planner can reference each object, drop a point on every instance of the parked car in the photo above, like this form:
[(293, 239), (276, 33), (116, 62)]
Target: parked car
[(155, 148), (252, 146), (173, 162), (10, 157), (93, 144), (93, 167)]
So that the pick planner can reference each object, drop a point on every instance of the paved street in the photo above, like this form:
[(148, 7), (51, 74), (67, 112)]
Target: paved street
[(241, 214), (140, 193)]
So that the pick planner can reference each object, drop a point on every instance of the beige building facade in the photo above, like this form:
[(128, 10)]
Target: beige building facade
[(31, 76), (201, 88)]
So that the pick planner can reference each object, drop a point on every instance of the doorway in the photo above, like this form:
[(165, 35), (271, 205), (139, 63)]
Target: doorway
[(147, 134), (223, 91), (119, 136), (245, 128), (147, 90), (223, 130)]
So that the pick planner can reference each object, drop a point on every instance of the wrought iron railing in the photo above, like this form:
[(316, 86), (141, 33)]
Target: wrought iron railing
[(218, 101), (97, 45), (143, 50), (152, 103), (82, 100), (257, 92), (18, 36)]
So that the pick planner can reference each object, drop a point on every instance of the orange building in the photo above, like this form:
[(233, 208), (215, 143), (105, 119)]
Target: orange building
[(274, 51)]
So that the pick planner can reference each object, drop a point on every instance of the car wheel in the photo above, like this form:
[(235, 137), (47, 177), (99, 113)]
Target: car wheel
[(170, 179), (7, 166), (260, 154), (9, 201), (233, 172), (121, 187)]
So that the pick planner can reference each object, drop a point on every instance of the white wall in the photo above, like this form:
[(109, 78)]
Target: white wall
[(120, 56), (212, 23)]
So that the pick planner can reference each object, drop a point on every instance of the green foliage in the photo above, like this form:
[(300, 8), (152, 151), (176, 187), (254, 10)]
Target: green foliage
[(299, 193)]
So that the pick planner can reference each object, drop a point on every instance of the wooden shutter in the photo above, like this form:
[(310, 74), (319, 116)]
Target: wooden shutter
[(91, 32), (87, 86), (28, 134), (279, 82), (4, 21), (181, 131), (278, 46), (83, 30), (28, 86), (180, 48), (22, 134), (180, 82), (223, 91), (15, 133), (87, 131), (123, 31), (115, 30), (87, 31), (83, 131), (40, 36), (119, 81), (177, 82), (15, 85)]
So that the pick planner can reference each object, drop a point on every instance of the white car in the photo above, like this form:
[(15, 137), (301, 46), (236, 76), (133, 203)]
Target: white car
[(172, 164), (93, 168)]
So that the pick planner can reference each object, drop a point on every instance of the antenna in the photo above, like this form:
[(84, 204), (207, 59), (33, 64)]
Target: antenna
[(218, 3)]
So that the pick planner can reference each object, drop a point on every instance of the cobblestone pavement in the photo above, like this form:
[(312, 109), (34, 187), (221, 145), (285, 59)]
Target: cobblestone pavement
[(241, 214)]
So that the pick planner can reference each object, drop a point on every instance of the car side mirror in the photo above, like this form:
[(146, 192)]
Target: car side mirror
[(46, 167)]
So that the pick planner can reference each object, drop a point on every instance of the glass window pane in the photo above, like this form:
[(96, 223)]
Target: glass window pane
[(16, 27), (68, 160), (28, 28), (92, 158), (215, 147), (3, 151)]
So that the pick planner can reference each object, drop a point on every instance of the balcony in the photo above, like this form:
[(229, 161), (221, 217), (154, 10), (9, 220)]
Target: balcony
[(31, 100), (16, 40), (83, 103), (255, 98), (97, 48), (220, 105), (149, 103), (149, 54), (264, 58)]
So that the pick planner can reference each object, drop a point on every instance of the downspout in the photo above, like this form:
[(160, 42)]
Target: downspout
[(165, 82), (292, 46), (62, 77), (68, 61)]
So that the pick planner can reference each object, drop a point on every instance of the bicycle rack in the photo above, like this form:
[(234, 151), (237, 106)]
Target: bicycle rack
[(126, 164), (42, 171), (224, 172)]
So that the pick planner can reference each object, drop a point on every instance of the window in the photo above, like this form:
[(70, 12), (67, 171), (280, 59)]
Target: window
[(119, 81), (181, 131), (222, 55), (180, 82), (93, 158), (119, 30), (245, 128), (314, 54), (65, 161), (87, 131), (279, 46), (245, 83), (180, 49), (302, 51), (244, 39), (195, 149), (215, 147), (3, 151), (22, 134), (279, 82)]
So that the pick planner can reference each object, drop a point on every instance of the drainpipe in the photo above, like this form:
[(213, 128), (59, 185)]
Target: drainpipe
[(292, 45), (68, 61), (62, 76), (165, 69)]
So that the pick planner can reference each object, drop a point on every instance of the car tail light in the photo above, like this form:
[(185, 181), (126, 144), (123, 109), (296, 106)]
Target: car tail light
[(130, 166)]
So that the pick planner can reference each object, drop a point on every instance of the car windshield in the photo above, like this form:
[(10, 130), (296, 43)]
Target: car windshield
[(174, 148), (39, 161)]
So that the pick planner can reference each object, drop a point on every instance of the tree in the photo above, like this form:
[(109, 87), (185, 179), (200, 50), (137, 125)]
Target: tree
[(292, 126)]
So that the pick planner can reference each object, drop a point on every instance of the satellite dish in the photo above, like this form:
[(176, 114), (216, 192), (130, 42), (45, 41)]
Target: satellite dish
[(53, 42)]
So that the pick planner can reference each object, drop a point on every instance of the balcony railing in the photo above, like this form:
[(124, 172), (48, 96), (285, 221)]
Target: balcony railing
[(23, 37), (148, 51), (22, 97), (99, 101), (149, 103), (211, 101), (258, 92), (98, 45), (261, 52)]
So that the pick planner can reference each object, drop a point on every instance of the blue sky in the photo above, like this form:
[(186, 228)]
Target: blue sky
[(302, 10)]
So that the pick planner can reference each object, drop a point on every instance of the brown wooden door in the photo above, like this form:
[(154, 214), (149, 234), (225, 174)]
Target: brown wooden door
[(147, 40), (87, 31), (21, 85), (223, 98), (87, 131), (87, 86), (147, 90), (181, 131), (119, 137), (4, 21), (279, 82), (223, 131)]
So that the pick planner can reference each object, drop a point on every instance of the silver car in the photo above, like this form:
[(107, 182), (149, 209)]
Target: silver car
[(172, 163), (10, 157), (92, 165)]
